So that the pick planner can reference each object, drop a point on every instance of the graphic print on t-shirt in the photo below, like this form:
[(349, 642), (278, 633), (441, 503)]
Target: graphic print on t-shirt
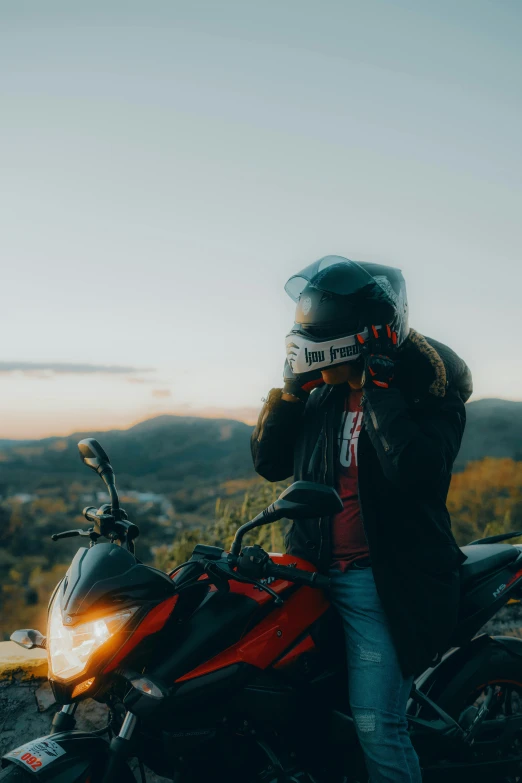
[(348, 535), (349, 438)]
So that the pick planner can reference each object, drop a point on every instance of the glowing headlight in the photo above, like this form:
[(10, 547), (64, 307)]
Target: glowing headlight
[(69, 649)]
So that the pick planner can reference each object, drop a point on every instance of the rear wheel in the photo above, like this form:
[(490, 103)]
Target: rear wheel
[(503, 699), (497, 685)]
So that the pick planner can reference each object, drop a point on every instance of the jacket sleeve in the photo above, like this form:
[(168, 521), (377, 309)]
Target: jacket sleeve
[(414, 454), (273, 440)]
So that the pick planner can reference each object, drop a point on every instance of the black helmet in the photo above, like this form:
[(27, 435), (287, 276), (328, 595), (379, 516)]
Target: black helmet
[(336, 300)]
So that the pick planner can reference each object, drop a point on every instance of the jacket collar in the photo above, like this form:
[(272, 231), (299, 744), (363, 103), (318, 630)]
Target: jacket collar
[(432, 361)]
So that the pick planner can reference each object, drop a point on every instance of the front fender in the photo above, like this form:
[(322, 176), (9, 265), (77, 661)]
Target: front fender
[(66, 757)]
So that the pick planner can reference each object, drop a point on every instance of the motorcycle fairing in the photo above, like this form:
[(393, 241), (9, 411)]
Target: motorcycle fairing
[(67, 757), (153, 622), (208, 622), (291, 656), (98, 579), (272, 636), (105, 575), (143, 628)]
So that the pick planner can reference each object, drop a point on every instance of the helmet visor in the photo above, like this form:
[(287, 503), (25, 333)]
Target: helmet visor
[(305, 353), (329, 275)]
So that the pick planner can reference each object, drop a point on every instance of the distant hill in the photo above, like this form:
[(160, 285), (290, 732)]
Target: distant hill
[(164, 452), (158, 454), (494, 429)]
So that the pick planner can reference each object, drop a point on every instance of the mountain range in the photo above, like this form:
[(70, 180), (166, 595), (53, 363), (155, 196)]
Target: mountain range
[(493, 429), (166, 451)]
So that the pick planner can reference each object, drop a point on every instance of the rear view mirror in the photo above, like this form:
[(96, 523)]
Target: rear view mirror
[(92, 455), (302, 499), (29, 639), (307, 499)]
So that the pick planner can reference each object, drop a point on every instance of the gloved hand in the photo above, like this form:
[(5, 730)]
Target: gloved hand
[(300, 386), (379, 353)]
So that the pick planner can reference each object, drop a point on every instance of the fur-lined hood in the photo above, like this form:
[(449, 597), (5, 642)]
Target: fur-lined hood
[(431, 366)]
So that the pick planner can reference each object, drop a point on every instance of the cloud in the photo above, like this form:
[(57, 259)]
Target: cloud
[(137, 380), (161, 393), (40, 369)]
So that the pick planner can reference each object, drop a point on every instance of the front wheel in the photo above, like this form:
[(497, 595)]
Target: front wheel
[(14, 774)]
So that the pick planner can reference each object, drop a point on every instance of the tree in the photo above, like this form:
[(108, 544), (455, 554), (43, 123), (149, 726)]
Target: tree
[(486, 499), (228, 518)]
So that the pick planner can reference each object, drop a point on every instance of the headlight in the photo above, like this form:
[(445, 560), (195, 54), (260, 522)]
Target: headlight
[(70, 649)]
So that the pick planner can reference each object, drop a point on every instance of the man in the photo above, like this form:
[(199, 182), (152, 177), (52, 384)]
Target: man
[(377, 411)]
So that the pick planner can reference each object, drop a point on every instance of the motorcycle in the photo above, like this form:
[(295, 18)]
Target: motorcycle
[(232, 665)]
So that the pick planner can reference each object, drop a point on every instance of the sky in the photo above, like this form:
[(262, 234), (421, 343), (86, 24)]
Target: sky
[(166, 166)]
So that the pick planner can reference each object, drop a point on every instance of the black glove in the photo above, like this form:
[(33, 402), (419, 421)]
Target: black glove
[(379, 352), (300, 386)]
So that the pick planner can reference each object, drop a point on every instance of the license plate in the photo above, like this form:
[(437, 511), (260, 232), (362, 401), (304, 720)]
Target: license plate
[(37, 754)]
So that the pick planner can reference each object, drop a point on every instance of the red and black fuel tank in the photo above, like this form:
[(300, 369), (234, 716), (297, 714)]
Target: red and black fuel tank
[(239, 626), (230, 637)]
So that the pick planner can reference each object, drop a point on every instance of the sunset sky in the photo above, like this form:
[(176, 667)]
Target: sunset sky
[(166, 166)]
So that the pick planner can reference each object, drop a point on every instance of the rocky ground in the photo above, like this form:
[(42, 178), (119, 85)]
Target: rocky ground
[(507, 622), (27, 706), (27, 709)]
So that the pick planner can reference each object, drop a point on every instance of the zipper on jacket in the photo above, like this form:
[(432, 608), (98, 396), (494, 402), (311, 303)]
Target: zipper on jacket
[(325, 473), (328, 466), (358, 490), (313, 458), (375, 423)]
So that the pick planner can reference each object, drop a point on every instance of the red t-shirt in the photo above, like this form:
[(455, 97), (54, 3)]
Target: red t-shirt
[(348, 537)]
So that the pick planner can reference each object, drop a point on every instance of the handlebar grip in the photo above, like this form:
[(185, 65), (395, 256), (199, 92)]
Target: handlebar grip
[(321, 581), (131, 530), (310, 578), (90, 514)]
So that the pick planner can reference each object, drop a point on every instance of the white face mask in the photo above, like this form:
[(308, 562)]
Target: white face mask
[(305, 354)]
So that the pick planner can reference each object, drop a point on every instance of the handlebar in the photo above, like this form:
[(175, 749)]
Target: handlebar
[(129, 528), (297, 575), (107, 523), (254, 562)]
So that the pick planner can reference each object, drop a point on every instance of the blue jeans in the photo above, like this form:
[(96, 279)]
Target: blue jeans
[(378, 690)]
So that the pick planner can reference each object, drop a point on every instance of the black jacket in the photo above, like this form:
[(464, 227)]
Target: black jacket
[(410, 437)]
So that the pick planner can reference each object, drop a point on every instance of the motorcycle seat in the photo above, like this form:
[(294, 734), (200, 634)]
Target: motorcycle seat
[(483, 559)]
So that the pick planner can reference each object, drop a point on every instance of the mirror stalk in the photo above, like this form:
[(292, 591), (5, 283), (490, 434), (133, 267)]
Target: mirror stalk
[(113, 494), (261, 519)]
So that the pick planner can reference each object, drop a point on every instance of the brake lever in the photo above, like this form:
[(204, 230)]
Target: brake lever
[(240, 578), (79, 532)]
